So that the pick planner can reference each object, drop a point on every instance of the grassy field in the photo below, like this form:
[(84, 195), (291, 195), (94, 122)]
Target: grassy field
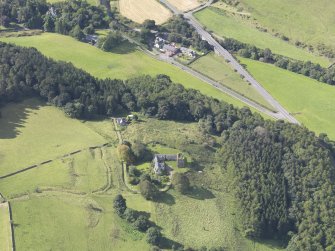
[(139, 11), (310, 101), (66, 204), (125, 62), (214, 219), (68, 222), (307, 21), (32, 132), (185, 5), (72, 209), (5, 228), (232, 26), (218, 69)]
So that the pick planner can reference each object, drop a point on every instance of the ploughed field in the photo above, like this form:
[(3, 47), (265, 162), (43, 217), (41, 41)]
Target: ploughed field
[(185, 5), (139, 11)]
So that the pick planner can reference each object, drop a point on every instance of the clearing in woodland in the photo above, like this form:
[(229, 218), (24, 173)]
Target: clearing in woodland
[(139, 11), (185, 5)]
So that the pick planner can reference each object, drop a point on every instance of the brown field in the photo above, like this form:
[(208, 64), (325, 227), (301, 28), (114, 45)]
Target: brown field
[(185, 5), (139, 11)]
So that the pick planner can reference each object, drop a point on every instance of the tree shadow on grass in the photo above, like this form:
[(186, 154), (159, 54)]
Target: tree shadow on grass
[(14, 117), (165, 198), (200, 193), (144, 213), (166, 243)]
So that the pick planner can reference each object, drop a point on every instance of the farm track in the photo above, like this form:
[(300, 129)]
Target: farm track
[(281, 111), (123, 164)]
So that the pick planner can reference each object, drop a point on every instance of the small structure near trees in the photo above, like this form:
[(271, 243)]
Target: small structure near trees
[(121, 121)]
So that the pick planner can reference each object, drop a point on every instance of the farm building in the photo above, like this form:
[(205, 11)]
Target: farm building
[(159, 162), (188, 52), (170, 50), (159, 42)]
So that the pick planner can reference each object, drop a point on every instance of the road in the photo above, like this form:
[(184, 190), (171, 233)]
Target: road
[(222, 88), (281, 111)]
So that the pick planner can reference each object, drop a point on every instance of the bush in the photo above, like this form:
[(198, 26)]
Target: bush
[(141, 223), (112, 40), (148, 190), (134, 180), (119, 205), (134, 172), (130, 215)]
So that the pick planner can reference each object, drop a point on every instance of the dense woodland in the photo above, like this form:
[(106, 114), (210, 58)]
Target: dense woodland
[(309, 69), (73, 17), (284, 173)]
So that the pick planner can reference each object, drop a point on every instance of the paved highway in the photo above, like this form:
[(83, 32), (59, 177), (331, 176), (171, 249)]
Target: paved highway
[(281, 111), (222, 88)]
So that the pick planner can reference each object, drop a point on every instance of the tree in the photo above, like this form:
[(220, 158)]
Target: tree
[(130, 215), (77, 33), (125, 153), (154, 236), (141, 223), (149, 24), (141, 152), (49, 24), (180, 182), (119, 205), (267, 54), (112, 40), (148, 190), (89, 29)]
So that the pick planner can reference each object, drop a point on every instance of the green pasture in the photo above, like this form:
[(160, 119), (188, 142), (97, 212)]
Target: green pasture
[(310, 101), (308, 21), (72, 222), (124, 62), (233, 26), (218, 69), (70, 211), (33, 132)]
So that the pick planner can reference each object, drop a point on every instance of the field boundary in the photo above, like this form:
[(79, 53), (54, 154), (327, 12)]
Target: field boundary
[(51, 160)]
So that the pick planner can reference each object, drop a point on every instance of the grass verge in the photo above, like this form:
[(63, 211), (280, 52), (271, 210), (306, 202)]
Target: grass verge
[(310, 101), (232, 26)]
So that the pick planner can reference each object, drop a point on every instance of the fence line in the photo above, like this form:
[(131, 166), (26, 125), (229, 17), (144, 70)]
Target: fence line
[(51, 160)]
